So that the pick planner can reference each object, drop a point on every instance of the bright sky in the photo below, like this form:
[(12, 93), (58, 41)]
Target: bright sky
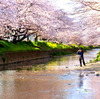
[(67, 5)]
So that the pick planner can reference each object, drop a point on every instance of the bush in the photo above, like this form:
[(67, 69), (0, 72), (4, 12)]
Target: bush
[(97, 58), (6, 46)]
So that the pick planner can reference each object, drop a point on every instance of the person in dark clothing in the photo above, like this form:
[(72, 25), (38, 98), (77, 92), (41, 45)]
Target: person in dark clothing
[(81, 57)]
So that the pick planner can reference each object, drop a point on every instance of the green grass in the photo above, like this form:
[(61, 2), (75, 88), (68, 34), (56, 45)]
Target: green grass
[(6, 46), (97, 58)]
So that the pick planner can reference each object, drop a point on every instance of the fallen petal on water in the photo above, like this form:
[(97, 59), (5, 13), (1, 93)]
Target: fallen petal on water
[(85, 90)]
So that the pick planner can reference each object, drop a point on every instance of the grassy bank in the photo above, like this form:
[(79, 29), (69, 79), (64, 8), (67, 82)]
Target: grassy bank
[(97, 58), (6, 46)]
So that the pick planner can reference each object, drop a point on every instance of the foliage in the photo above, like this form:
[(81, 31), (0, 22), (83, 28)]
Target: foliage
[(11, 47), (98, 57), (6, 46)]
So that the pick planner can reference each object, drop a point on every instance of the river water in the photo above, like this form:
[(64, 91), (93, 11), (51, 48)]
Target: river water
[(52, 80)]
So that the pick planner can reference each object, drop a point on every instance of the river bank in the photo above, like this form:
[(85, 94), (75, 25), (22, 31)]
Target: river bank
[(16, 57), (25, 51), (24, 46), (90, 67), (51, 63)]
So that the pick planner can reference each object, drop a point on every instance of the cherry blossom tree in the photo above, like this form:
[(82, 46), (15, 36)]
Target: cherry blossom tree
[(76, 22)]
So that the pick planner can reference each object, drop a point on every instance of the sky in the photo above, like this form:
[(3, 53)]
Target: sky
[(67, 5)]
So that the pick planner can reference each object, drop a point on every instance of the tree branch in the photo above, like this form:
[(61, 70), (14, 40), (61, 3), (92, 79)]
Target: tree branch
[(86, 4)]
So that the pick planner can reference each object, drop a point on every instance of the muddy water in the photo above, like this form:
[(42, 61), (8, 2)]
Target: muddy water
[(52, 80)]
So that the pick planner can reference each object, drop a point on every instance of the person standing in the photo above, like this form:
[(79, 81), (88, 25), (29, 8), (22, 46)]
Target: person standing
[(81, 57)]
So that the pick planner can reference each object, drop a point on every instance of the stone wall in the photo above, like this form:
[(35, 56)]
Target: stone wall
[(14, 57)]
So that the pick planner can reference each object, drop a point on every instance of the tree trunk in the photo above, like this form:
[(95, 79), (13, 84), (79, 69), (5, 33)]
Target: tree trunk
[(15, 39), (36, 39), (18, 37), (28, 38)]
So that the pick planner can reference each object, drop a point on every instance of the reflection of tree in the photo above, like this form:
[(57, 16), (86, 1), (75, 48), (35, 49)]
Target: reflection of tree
[(39, 67), (59, 61)]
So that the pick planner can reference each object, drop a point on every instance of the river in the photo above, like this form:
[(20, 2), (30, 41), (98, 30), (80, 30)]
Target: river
[(51, 80)]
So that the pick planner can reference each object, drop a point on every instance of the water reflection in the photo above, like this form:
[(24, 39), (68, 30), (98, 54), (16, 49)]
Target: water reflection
[(81, 76), (52, 81), (7, 84), (41, 67), (48, 85), (69, 61)]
